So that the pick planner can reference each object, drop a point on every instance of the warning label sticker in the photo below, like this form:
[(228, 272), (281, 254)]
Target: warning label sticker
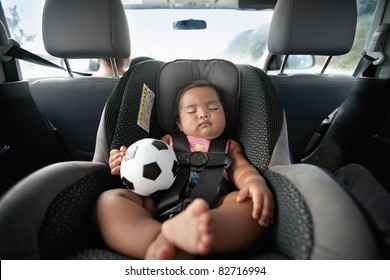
[(145, 108)]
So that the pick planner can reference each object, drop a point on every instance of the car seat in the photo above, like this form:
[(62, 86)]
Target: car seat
[(73, 105), (321, 28), (360, 130), (315, 218)]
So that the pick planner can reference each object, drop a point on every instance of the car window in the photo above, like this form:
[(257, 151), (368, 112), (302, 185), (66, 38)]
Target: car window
[(238, 36)]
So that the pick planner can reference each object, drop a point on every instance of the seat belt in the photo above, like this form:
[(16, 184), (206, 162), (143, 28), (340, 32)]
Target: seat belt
[(9, 48), (20, 53), (365, 62), (211, 166), (168, 200), (374, 55)]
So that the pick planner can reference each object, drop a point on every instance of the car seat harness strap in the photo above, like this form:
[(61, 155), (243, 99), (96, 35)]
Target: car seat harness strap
[(208, 167)]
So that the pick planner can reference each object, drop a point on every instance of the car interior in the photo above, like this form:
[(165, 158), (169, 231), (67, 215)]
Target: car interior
[(296, 127)]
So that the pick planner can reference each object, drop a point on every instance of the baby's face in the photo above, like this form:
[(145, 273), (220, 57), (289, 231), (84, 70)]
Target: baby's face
[(201, 113)]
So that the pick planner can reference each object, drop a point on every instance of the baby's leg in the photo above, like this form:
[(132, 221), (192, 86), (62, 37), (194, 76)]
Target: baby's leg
[(191, 230), (125, 222), (234, 228), (227, 228), (161, 249)]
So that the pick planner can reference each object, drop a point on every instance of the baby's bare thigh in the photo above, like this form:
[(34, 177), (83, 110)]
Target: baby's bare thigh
[(122, 193), (228, 198)]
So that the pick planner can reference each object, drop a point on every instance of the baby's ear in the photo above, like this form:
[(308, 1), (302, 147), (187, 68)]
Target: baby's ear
[(178, 124)]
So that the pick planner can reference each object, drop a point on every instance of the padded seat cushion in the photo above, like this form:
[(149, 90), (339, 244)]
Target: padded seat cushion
[(176, 75)]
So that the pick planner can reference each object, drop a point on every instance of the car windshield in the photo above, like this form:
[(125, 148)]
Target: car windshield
[(241, 39), (232, 34)]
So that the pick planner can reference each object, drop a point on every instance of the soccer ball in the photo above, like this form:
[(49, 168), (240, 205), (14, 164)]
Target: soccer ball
[(149, 165)]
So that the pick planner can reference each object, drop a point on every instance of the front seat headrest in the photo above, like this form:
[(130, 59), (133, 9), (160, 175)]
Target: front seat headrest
[(176, 75), (85, 29), (320, 27)]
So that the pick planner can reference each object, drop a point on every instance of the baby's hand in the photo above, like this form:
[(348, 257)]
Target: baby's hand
[(115, 160), (263, 202)]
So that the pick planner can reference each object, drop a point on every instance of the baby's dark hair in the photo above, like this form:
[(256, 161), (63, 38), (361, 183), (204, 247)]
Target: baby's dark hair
[(197, 84)]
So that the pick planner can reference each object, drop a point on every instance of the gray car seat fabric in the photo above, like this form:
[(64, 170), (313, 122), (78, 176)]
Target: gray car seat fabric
[(80, 29), (308, 99), (86, 29), (315, 28), (75, 122), (360, 130), (222, 73), (356, 147), (305, 27), (324, 27), (309, 187)]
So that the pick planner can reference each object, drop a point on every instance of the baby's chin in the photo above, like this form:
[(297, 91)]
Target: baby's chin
[(207, 135)]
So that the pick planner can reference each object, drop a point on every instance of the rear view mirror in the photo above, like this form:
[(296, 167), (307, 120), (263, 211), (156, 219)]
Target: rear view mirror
[(294, 62), (189, 24), (300, 62)]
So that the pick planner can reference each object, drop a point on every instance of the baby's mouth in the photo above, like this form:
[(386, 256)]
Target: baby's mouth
[(204, 124)]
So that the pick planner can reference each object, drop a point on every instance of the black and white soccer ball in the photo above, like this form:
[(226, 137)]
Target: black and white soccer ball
[(149, 165)]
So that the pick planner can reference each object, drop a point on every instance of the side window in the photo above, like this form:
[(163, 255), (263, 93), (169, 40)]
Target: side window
[(24, 19)]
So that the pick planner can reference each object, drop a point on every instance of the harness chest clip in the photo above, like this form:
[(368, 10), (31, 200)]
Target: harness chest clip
[(198, 160)]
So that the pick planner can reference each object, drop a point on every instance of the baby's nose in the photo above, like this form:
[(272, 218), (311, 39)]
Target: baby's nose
[(203, 114)]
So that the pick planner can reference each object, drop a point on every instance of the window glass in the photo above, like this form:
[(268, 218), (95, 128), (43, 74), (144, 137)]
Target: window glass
[(238, 36), (24, 20)]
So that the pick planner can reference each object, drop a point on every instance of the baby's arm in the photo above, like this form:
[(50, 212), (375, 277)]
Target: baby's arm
[(251, 185), (115, 159), (167, 139)]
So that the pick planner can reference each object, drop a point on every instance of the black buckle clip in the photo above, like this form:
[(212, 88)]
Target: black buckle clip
[(198, 160)]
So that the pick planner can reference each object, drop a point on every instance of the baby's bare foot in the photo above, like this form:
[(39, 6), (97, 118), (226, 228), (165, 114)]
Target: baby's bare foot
[(161, 249), (191, 229)]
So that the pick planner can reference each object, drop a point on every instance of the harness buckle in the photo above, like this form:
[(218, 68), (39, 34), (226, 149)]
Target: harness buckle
[(198, 159)]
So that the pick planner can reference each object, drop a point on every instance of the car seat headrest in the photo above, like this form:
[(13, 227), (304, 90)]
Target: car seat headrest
[(321, 27), (85, 29), (177, 74)]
